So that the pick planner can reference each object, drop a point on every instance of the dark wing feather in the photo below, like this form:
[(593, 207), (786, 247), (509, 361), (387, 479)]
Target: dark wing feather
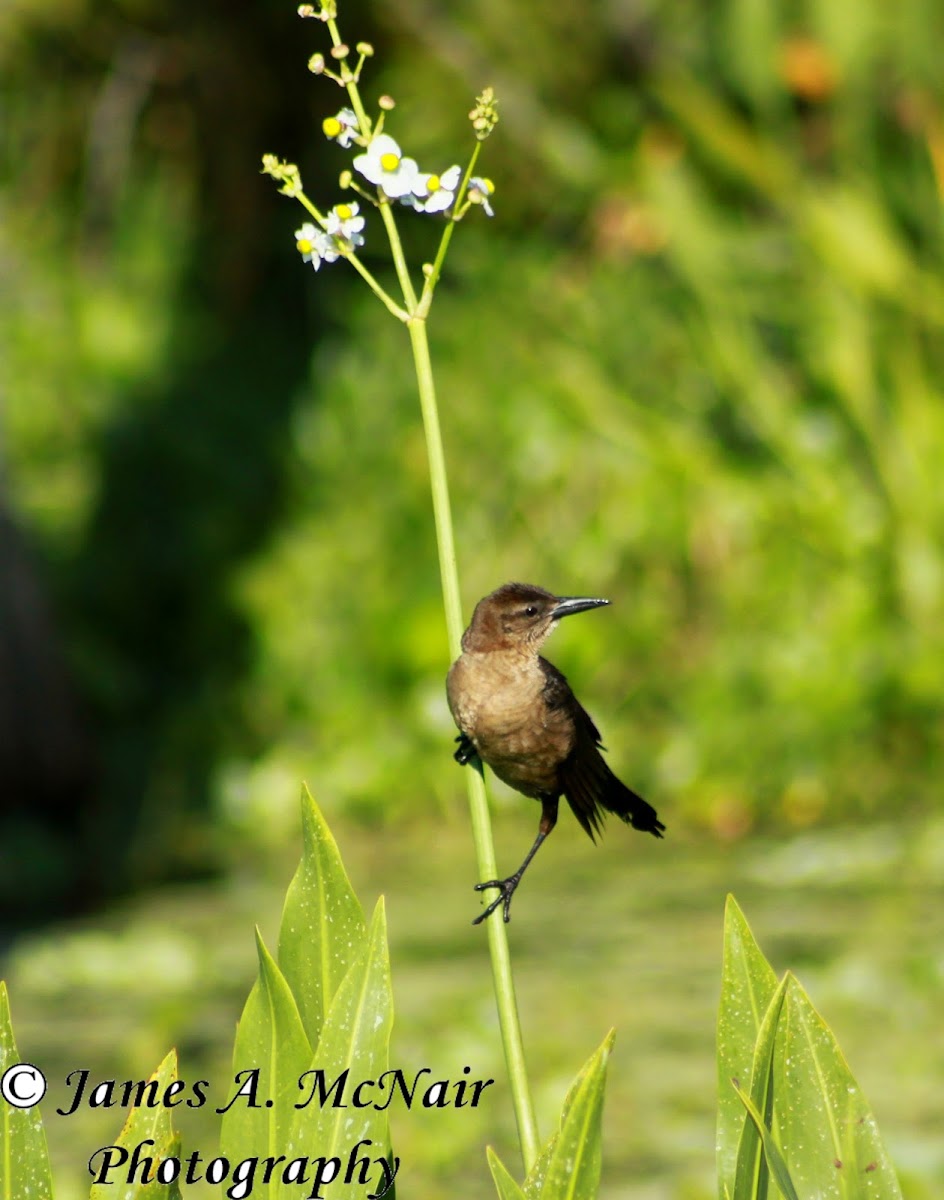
[(586, 780)]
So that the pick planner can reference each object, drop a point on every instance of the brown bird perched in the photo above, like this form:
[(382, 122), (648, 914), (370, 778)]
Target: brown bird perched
[(516, 712)]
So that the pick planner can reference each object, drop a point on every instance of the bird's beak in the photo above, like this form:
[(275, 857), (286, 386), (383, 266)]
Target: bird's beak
[(566, 606)]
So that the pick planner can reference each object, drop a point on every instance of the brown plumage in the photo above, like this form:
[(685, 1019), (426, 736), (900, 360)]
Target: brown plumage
[(516, 711)]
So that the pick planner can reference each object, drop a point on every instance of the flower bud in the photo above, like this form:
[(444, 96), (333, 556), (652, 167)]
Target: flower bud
[(484, 116)]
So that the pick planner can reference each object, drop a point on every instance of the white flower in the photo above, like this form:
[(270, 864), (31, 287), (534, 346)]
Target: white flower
[(344, 224), (314, 245), (342, 127), (384, 166), (480, 190), (436, 192)]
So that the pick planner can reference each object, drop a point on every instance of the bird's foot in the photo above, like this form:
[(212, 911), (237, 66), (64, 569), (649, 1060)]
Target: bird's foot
[(465, 751), (506, 889)]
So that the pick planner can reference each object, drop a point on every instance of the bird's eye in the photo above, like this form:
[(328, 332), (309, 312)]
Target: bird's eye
[(531, 611)]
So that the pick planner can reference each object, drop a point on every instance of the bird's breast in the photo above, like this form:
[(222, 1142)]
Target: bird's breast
[(491, 695), (498, 701)]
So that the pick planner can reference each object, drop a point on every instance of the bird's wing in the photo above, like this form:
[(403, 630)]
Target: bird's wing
[(588, 783), (581, 779), (558, 694)]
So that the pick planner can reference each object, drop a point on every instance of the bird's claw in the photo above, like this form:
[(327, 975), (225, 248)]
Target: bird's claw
[(506, 889), (465, 751)]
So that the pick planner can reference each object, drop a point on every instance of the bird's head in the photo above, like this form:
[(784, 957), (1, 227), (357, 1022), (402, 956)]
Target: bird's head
[(520, 615)]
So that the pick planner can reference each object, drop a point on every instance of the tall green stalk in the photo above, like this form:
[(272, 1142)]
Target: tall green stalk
[(478, 801)]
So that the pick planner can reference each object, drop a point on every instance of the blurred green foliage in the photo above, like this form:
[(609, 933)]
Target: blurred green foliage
[(694, 364)]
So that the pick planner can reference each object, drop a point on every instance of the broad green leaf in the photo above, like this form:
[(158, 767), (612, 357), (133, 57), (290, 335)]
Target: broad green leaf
[(272, 1052), (773, 1155), (505, 1184), (24, 1163), (573, 1167), (748, 984), (538, 1173), (536, 1176), (826, 1128), (751, 1173), (355, 1039), (144, 1124), (323, 929)]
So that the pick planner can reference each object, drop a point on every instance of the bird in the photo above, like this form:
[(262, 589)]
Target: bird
[(516, 712)]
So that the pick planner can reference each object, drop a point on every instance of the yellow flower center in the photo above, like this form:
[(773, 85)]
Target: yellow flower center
[(344, 211), (304, 246), (389, 161), (331, 127), (433, 183)]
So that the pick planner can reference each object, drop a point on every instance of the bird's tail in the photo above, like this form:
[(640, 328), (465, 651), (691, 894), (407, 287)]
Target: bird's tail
[(591, 787), (617, 798)]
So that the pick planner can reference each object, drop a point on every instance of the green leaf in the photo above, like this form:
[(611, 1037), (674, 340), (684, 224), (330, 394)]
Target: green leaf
[(145, 1124), (538, 1173), (748, 984), (24, 1162), (751, 1174), (774, 1156), (807, 1113), (270, 1040), (830, 1139), (534, 1182), (323, 929), (356, 1039), (505, 1184), (571, 1171)]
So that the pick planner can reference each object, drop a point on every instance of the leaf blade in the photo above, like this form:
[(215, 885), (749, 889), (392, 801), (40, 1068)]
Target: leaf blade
[(505, 1184), (831, 1140), (147, 1124), (751, 1172), (748, 984), (776, 1161), (573, 1165), (323, 929), (24, 1159), (355, 1038), (270, 1040)]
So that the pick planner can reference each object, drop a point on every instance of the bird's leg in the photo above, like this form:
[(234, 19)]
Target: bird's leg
[(506, 887), (465, 751)]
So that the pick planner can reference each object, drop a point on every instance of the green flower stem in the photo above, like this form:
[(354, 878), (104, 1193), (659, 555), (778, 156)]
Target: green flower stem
[(399, 259), (414, 314), (350, 85), (433, 277), (389, 303), (439, 482), (478, 802)]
